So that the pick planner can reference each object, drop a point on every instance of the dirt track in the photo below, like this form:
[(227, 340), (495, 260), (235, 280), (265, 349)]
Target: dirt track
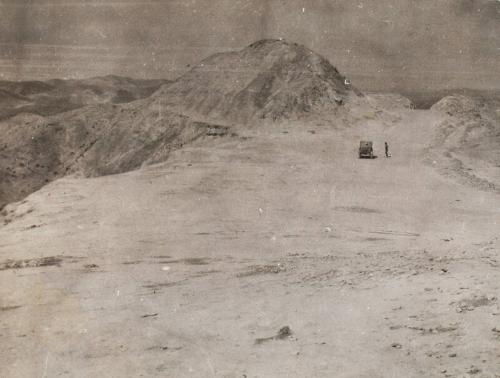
[(381, 268)]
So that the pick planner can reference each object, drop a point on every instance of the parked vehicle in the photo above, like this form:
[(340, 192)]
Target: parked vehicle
[(365, 150)]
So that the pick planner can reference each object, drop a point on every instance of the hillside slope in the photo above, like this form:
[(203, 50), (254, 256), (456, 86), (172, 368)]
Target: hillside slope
[(93, 141), (467, 143)]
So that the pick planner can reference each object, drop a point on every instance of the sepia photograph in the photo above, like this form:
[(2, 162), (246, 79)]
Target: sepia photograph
[(250, 188)]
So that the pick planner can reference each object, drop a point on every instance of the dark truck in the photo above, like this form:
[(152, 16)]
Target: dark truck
[(365, 150)]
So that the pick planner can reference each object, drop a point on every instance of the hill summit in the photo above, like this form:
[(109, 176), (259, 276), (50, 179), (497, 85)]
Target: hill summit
[(456, 104), (270, 79)]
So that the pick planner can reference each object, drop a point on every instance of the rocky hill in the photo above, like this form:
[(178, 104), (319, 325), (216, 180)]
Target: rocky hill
[(270, 79), (458, 104)]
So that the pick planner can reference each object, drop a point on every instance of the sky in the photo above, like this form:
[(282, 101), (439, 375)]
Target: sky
[(378, 44)]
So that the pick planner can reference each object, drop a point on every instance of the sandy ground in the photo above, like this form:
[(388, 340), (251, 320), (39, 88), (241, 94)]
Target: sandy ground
[(380, 268)]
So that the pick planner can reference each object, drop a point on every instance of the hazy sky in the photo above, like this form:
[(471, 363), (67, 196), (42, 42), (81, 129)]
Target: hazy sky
[(378, 43)]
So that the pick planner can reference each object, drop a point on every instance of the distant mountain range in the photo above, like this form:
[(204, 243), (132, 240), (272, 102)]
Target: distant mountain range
[(56, 96)]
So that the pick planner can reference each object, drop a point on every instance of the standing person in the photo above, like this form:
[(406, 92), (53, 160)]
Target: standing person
[(387, 150)]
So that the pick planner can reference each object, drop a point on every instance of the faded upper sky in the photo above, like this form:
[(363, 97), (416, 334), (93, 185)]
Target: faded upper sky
[(378, 43)]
